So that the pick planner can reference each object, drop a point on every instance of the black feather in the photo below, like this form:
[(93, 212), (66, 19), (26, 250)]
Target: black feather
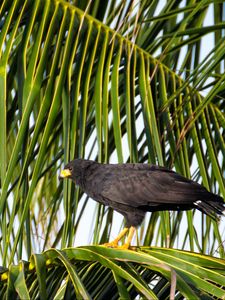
[(134, 189)]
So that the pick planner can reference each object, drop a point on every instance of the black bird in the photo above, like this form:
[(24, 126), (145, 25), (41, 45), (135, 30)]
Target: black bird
[(134, 189)]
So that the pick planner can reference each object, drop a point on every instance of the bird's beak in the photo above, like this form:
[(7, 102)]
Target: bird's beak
[(65, 173)]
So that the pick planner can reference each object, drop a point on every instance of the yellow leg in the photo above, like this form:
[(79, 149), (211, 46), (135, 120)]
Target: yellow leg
[(129, 238), (114, 243)]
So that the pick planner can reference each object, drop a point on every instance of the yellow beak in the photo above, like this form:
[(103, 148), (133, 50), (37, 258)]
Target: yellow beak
[(65, 173)]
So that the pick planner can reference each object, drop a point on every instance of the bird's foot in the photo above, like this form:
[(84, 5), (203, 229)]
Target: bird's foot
[(125, 246), (113, 244)]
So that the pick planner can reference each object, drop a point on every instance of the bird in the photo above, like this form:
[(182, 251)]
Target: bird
[(132, 189)]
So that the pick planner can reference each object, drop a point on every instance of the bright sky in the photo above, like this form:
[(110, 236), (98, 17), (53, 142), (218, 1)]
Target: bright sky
[(86, 224)]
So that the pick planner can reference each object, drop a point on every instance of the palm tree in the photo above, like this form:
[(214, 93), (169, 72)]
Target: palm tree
[(112, 81)]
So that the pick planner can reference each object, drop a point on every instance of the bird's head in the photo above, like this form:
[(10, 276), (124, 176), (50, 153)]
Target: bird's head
[(75, 170)]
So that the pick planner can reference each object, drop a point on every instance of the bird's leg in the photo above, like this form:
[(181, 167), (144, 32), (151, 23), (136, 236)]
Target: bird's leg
[(114, 243), (129, 238)]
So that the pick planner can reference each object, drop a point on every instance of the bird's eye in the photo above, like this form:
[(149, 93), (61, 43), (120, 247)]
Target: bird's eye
[(70, 168)]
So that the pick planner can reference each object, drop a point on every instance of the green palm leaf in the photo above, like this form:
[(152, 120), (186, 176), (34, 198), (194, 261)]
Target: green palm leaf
[(89, 272), (119, 81)]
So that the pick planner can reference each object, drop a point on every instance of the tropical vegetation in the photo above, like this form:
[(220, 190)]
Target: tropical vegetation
[(113, 81)]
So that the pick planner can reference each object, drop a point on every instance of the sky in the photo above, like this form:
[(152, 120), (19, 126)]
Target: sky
[(86, 225)]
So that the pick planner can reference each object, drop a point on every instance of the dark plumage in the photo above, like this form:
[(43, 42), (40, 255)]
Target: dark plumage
[(134, 189)]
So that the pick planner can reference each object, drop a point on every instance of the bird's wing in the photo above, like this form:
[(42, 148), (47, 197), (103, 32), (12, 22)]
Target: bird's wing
[(142, 186)]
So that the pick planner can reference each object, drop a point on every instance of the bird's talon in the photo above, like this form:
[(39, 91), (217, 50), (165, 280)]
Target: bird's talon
[(111, 245), (115, 245), (124, 247)]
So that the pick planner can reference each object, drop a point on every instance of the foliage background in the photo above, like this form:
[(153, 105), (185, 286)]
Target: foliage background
[(120, 81)]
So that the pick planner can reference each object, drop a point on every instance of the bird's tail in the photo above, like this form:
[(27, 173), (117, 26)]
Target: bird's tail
[(213, 207)]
